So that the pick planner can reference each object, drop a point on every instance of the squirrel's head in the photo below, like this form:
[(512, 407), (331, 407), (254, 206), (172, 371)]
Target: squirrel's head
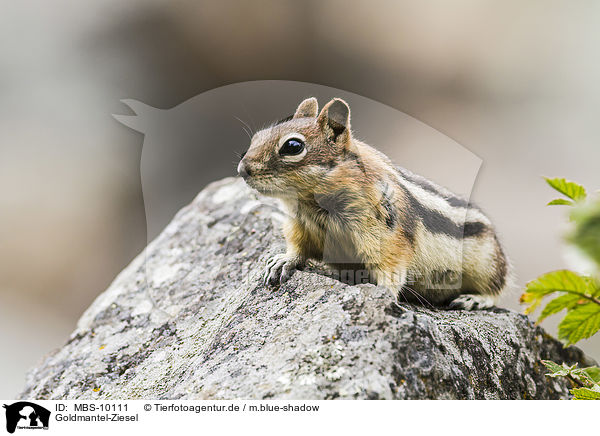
[(295, 155)]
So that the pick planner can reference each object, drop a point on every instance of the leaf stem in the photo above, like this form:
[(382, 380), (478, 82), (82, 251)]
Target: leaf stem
[(575, 381), (587, 297)]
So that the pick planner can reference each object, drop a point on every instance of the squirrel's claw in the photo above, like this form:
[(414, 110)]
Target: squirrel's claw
[(279, 269)]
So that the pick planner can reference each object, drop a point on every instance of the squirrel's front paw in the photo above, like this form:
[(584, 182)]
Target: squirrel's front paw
[(280, 268)]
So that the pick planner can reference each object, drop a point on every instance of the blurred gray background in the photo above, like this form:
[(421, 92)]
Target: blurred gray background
[(514, 82)]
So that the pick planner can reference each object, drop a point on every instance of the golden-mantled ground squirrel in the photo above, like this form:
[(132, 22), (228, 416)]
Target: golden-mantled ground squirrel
[(350, 207)]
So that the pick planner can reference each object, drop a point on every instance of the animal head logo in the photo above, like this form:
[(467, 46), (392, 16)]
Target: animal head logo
[(186, 147), (26, 415)]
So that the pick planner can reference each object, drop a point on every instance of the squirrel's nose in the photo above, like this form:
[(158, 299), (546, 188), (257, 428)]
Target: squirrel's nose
[(243, 171)]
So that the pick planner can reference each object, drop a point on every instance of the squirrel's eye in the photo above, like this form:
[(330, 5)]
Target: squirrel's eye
[(291, 147)]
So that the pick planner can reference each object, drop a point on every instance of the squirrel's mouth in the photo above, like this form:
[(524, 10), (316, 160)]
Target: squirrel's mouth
[(269, 187), (255, 183), (269, 191)]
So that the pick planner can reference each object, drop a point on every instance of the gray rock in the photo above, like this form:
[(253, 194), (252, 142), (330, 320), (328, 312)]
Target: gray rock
[(190, 319)]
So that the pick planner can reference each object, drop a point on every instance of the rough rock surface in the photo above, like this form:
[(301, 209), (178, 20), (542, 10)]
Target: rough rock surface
[(190, 319)]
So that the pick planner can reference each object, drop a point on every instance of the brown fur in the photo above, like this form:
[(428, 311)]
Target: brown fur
[(343, 198), (352, 171)]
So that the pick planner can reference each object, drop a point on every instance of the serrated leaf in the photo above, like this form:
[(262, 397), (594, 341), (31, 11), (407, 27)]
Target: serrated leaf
[(588, 377), (553, 367), (594, 287), (582, 375), (585, 394), (560, 202), (557, 370), (593, 373), (565, 301), (580, 323), (556, 281), (586, 233), (571, 189)]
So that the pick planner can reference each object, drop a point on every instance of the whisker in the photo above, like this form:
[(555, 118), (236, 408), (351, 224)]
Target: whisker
[(252, 123), (246, 132), (420, 299), (246, 127)]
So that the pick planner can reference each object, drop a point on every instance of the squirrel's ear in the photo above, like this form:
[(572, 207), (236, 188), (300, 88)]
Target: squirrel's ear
[(335, 116), (308, 108)]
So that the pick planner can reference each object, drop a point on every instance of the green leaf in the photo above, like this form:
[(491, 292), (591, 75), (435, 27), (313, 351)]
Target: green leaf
[(586, 234), (565, 301), (585, 375), (557, 370), (561, 202), (556, 281), (585, 394), (552, 366), (593, 373), (581, 322), (594, 287), (588, 377), (572, 190)]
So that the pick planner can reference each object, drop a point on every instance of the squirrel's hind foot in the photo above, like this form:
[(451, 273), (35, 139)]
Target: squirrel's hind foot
[(472, 302)]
